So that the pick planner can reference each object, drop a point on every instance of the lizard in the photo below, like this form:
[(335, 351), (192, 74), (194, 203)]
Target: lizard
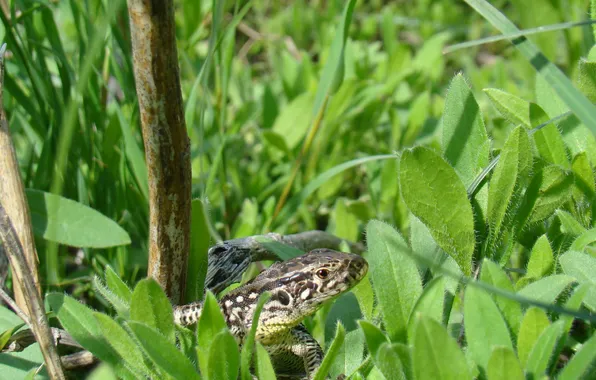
[(298, 288)]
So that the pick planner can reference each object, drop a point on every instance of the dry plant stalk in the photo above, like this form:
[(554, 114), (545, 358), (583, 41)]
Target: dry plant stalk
[(23, 271), (12, 194), (167, 148)]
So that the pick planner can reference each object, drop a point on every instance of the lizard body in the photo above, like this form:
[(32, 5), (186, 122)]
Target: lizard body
[(298, 288)]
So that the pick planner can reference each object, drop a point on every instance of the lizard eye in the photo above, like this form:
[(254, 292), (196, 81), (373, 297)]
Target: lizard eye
[(322, 273)]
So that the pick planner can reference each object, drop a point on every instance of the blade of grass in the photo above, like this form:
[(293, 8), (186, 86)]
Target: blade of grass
[(521, 33)]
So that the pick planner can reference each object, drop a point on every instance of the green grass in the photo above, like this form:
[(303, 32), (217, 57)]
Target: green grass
[(304, 115)]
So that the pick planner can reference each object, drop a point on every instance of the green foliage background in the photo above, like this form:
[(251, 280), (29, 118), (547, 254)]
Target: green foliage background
[(480, 161)]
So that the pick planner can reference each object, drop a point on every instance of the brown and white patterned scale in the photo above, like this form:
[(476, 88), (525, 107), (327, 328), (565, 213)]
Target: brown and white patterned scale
[(298, 288)]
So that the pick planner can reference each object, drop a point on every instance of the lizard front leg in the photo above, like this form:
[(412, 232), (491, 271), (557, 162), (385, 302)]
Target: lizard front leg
[(307, 348)]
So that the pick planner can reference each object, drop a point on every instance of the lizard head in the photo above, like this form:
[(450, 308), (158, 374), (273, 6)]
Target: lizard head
[(303, 284)]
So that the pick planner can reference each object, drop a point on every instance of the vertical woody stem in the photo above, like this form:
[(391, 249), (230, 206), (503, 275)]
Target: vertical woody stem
[(167, 149)]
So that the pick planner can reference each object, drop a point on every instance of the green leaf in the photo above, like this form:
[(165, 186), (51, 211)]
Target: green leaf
[(583, 240), (293, 121), (332, 352), (249, 339), (5, 336), (513, 108), (265, 369), (585, 183), (534, 323), (343, 223), (551, 146), (484, 326), (493, 274), (211, 322), (122, 307), (506, 183), (163, 352), (547, 289), (543, 351), (124, 345), (582, 363), (350, 355), (431, 304), (569, 225), (571, 96), (541, 259), (582, 267), (586, 78), (396, 281), (150, 305), (81, 324), (374, 336), (332, 74), (434, 193), (388, 361), (224, 345), (117, 286), (67, 222), (435, 354), (199, 245), (503, 364), (465, 143), (551, 187)]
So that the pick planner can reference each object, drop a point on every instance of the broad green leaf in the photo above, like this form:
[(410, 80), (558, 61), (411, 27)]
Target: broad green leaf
[(81, 324), (431, 303), (583, 268), (150, 305), (388, 361), (365, 295), (583, 240), (350, 355), (117, 286), (247, 348), (332, 352), (123, 344), (582, 363), (246, 222), (574, 303), (493, 274), (67, 222), (543, 351), (199, 245), (162, 352), (465, 143), (224, 344), (503, 364), (585, 183), (343, 223), (102, 372), (374, 336), (513, 108), (547, 289), (395, 277), (534, 323), (122, 307), (264, 367), (586, 78), (552, 187), (211, 322), (484, 326), (434, 193), (506, 182), (551, 146), (293, 121), (435, 354), (541, 259), (569, 225)]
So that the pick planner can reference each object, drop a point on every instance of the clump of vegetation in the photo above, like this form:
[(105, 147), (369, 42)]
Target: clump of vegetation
[(466, 166)]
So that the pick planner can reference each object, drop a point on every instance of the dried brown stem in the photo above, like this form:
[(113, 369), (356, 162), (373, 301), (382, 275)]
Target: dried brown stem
[(167, 148)]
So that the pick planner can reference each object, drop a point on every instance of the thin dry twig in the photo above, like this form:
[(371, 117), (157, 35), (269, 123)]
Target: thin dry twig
[(167, 147), (23, 271)]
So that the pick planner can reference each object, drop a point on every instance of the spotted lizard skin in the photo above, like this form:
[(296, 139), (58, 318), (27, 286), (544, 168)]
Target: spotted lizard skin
[(298, 288)]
